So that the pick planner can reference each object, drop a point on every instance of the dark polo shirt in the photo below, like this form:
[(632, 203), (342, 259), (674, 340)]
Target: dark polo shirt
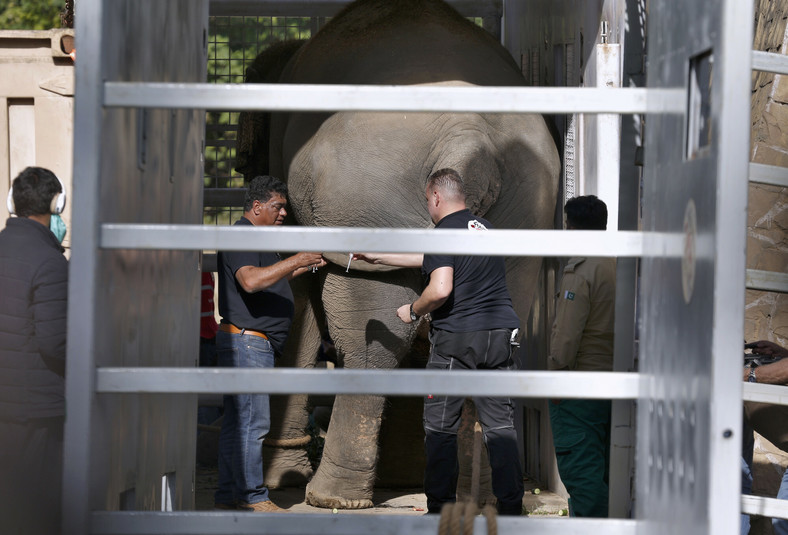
[(480, 299), (269, 311)]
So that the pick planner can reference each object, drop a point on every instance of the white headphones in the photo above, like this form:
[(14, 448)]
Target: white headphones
[(55, 207)]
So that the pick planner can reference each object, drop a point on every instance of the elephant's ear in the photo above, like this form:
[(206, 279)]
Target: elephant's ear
[(254, 127)]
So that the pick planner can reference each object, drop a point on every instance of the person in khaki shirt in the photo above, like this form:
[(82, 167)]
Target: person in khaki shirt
[(582, 339)]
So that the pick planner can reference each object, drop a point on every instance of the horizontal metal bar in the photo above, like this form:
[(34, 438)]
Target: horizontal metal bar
[(775, 394), (769, 62), (769, 174), (344, 523), (771, 507), (438, 241), (329, 8), (520, 384), (413, 98), (767, 281)]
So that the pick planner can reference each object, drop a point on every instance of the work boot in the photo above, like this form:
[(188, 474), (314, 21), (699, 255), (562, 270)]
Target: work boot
[(266, 506)]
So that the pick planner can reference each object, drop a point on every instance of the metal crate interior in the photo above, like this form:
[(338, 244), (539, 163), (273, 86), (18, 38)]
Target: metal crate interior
[(145, 155)]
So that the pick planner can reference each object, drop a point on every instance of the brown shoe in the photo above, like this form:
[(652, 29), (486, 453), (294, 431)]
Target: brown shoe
[(262, 507)]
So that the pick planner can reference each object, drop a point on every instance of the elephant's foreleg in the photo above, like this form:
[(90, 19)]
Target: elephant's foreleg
[(285, 458), (361, 314)]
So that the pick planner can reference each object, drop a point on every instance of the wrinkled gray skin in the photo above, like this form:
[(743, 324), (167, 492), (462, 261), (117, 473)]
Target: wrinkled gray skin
[(369, 170)]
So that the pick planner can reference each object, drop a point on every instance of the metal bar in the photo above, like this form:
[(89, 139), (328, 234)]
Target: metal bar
[(767, 281), (771, 507), (345, 523), (329, 8), (325, 239), (733, 71), (775, 394), (531, 384), (470, 99), (769, 174), (83, 272), (769, 62)]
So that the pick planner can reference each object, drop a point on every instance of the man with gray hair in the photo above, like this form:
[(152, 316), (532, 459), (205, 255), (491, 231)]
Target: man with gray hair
[(256, 305)]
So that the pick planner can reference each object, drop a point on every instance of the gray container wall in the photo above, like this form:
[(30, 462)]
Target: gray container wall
[(554, 43), (147, 310)]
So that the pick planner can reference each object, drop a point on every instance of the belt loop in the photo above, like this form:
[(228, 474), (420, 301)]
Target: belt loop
[(243, 331)]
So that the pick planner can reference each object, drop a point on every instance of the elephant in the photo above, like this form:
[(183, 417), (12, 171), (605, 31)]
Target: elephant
[(369, 169)]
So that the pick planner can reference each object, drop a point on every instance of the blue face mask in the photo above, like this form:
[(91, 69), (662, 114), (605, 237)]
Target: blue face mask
[(58, 227)]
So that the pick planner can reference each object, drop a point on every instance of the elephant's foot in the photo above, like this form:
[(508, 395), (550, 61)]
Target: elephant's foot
[(286, 467), (342, 488), (323, 498)]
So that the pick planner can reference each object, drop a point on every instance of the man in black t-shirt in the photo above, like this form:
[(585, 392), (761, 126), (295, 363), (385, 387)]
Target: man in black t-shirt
[(256, 306), (473, 325)]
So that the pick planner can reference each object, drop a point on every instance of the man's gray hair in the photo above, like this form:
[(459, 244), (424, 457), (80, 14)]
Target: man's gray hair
[(449, 182)]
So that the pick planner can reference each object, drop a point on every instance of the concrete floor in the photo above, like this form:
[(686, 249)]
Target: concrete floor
[(387, 501)]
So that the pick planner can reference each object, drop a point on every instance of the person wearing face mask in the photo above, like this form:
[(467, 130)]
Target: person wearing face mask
[(33, 297)]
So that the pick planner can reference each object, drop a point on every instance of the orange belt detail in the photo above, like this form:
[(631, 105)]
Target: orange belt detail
[(230, 328)]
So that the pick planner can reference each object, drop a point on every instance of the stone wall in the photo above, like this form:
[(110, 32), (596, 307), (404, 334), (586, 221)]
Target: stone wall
[(766, 315)]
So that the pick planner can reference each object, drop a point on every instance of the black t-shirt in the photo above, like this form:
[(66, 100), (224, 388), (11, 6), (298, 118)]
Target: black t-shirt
[(269, 311), (479, 300)]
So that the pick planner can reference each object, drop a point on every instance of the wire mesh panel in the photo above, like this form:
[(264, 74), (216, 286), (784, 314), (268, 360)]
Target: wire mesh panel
[(233, 44)]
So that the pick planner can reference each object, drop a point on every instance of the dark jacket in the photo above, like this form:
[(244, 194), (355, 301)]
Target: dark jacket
[(33, 293)]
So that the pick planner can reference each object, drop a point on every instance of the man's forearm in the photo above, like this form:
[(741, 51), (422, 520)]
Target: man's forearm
[(408, 260), (427, 302), (772, 374), (256, 279)]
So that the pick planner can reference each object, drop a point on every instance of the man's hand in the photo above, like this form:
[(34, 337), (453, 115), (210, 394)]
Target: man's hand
[(403, 313), (305, 262), (765, 347), (310, 260)]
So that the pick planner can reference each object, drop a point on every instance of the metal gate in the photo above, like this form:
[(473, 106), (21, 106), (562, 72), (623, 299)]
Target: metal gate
[(136, 232)]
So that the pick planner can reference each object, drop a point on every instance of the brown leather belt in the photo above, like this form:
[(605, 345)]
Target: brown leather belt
[(230, 328)]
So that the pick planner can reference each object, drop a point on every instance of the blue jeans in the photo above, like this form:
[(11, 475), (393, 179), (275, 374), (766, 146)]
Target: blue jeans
[(779, 525), (247, 419)]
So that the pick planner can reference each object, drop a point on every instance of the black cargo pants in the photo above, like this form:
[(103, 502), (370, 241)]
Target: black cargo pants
[(478, 350)]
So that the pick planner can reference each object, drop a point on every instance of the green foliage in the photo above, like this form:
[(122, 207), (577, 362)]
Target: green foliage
[(30, 14)]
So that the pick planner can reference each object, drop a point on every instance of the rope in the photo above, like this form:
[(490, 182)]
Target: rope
[(298, 442), (459, 516)]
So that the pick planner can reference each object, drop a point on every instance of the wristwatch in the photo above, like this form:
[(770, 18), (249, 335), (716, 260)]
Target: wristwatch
[(413, 315), (750, 378)]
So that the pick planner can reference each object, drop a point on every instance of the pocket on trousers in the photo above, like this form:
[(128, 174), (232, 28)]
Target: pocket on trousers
[(565, 445)]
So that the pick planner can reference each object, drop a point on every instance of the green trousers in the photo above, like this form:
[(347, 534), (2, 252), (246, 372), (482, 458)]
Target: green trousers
[(581, 435)]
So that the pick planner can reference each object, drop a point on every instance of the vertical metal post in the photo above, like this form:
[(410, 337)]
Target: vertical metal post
[(608, 132), (622, 437), (733, 73), (695, 186), (80, 366)]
